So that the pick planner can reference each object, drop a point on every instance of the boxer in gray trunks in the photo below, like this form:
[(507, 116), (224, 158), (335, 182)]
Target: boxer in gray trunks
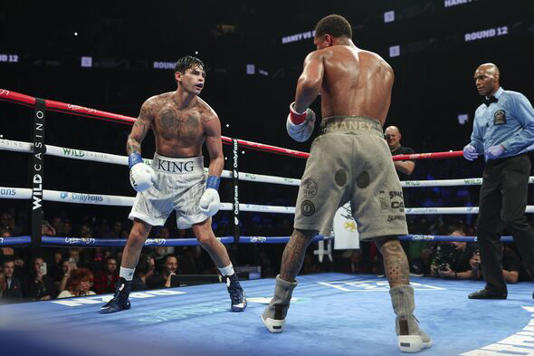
[(349, 162), (181, 122)]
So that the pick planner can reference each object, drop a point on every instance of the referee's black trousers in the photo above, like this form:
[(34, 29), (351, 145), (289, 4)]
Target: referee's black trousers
[(503, 199)]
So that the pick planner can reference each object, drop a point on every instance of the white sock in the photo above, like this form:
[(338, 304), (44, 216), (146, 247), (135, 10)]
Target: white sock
[(227, 271), (127, 273)]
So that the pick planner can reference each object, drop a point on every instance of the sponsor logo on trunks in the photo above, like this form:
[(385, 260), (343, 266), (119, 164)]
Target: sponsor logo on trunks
[(383, 200), (307, 208), (392, 218), (348, 125), (499, 118), (175, 167), (79, 241), (395, 194), (397, 205), (63, 195), (9, 192), (309, 188)]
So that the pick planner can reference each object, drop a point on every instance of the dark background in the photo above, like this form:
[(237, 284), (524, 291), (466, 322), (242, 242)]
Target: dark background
[(433, 76)]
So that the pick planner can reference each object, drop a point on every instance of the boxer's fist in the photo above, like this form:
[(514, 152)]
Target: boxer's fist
[(470, 152), (494, 151), (300, 125), (142, 176), (210, 202)]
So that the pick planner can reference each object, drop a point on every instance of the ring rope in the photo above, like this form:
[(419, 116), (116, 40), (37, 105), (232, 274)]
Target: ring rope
[(116, 200), (77, 110), (101, 157), (74, 153), (50, 241)]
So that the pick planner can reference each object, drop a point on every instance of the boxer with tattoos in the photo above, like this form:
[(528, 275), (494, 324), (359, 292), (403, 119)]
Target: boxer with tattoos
[(349, 162), (181, 122)]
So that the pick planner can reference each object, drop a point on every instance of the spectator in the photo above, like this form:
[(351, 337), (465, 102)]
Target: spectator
[(38, 285), (47, 229), (168, 276), (511, 264), (105, 280), (142, 272), (79, 284), (10, 286), (393, 138), (6, 251), (67, 266)]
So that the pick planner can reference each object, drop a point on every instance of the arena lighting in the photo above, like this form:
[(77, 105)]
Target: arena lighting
[(251, 69), (394, 51), (9, 58), (389, 16), (86, 62), (463, 118)]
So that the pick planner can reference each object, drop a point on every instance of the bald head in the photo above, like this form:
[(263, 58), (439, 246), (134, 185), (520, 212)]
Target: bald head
[(487, 79), (393, 137)]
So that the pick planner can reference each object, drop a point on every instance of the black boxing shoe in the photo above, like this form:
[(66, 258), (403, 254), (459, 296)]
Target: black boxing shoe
[(120, 299), (237, 295), (486, 294)]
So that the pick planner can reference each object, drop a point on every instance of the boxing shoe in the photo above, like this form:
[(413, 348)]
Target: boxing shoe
[(410, 340), (275, 313), (237, 294), (487, 294), (120, 299), (410, 337)]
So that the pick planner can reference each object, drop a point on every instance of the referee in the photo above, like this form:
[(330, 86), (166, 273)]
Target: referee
[(503, 131)]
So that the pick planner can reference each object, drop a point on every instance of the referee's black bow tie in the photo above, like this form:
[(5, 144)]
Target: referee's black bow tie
[(490, 100)]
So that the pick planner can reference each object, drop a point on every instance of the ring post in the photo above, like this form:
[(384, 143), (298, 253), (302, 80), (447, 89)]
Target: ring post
[(235, 187), (37, 170)]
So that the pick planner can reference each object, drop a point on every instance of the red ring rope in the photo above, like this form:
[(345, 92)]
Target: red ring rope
[(58, 106)]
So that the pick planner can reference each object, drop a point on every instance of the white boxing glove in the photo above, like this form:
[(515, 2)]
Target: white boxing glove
[(210, 202), (300, 125), (142, 176)]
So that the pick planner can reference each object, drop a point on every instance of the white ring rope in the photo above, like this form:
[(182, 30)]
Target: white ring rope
[(116, 200), (72, 153)]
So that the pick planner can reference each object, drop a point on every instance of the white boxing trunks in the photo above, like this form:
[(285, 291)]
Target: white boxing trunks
[(179, 185)]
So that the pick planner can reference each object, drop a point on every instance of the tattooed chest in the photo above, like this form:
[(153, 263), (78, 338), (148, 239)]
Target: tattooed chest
[(172, 124)]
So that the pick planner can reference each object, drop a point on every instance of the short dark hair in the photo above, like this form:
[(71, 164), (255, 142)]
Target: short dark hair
[(187, 62), (335, 25)]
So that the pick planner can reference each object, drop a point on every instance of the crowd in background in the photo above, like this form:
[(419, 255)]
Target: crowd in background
[(48, 273)]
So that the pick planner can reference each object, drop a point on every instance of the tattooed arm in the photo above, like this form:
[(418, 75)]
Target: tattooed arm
[(212, 128), (140, 127)]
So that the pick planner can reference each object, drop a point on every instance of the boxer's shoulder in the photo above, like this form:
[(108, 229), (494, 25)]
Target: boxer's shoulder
[(205, 110)]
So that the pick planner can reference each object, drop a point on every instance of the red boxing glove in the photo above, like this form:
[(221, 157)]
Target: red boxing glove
[(295, 117)]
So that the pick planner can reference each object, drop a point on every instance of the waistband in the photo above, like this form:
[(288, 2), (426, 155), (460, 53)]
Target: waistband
[(500, 160), (190, 165), (351, 123)]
